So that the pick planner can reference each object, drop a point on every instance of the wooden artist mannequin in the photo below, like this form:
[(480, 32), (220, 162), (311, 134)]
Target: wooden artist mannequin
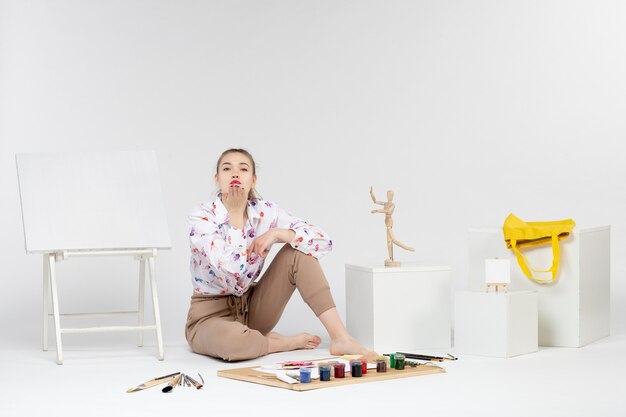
[(388, 208)]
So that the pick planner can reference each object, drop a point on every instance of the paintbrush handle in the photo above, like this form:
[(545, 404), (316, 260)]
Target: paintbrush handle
[(153, 382)]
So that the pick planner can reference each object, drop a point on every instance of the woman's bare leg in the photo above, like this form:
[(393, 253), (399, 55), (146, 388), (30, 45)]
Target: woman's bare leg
[(289, 270)]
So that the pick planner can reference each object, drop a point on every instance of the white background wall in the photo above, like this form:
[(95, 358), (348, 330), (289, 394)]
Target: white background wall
[(468, 110)]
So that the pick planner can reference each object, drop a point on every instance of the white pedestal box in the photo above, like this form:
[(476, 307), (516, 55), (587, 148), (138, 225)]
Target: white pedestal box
[(499, 325), (402, 308), (575, 309)]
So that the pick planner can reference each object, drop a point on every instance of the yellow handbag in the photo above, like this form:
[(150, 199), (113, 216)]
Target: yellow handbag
[(519, 234)]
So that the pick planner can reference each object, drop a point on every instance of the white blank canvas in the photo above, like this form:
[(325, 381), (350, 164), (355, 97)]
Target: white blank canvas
[(91, 200), (497, 271)]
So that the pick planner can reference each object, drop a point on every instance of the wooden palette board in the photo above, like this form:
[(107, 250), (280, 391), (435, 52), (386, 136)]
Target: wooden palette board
[(250, 375)]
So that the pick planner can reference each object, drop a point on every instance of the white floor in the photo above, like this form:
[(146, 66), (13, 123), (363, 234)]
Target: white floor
[(589, 381)]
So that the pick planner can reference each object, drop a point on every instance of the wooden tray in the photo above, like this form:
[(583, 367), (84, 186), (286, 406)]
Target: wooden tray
[(249, 375)]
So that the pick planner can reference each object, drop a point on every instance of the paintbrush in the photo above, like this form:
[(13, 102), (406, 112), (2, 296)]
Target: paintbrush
[(193, 381), (153, 382), (421, 357), (173, 382)]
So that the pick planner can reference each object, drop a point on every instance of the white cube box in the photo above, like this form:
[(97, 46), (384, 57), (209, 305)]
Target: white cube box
[(497, 325), (399, 308), (573, 311)]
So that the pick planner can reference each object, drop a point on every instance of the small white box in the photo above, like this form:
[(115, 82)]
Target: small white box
[(573, 311), (402, 308), (497, 325)]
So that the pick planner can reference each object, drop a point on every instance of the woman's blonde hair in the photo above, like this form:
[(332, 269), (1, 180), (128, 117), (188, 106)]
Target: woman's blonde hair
[(252, 194)]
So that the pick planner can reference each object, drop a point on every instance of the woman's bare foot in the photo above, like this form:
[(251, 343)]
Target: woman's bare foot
[(282, 343), (350, 346)]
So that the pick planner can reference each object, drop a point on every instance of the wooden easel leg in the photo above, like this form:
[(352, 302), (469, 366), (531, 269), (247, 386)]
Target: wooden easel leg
[(155, 305), (55, 307), (142, 291), (46, 299)]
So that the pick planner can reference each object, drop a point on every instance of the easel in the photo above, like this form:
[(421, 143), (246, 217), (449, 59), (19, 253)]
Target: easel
[(50, 290), (497, 274), (130, 221), (497, 285)]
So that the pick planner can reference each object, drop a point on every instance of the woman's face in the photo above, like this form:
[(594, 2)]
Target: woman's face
[(235, 170)]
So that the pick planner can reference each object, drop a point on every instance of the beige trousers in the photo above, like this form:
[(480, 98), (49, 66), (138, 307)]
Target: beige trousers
[(234, 328)]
